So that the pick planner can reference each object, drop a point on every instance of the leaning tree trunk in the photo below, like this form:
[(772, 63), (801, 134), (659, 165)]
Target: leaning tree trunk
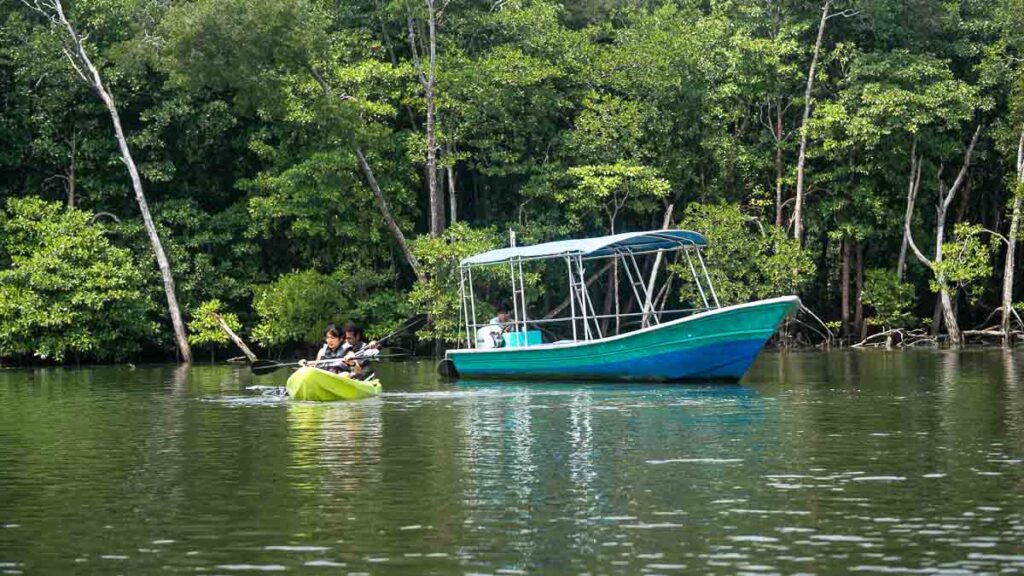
[(75, 51), (389, 219), (798, 226), (1011, 246)]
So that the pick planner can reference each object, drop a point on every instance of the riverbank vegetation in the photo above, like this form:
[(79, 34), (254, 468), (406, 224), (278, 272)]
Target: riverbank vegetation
[(286, 163)]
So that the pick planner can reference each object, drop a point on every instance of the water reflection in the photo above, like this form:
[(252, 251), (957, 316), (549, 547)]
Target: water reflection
[(907, 461)]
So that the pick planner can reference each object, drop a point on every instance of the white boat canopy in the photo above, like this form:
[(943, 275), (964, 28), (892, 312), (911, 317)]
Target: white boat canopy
[(603, 246)]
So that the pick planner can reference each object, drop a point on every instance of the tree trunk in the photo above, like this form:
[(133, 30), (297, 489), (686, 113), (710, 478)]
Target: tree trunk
[(452, 198), (944, 201), (234, 338), (949, 317), (75, 51), (389, 220), (428, 80), (860, 328), (798, 226), (937, 316), (778, 164), (609, 297), (180, 335), (913, 185), (1011, 247), (845, 289)]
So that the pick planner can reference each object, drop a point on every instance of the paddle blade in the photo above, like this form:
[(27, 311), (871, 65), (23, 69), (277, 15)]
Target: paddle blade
[(264, 366)]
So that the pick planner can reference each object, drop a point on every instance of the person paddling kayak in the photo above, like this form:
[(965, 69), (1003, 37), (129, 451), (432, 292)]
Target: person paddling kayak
[(333, 349), (349, 353), (358, 352)]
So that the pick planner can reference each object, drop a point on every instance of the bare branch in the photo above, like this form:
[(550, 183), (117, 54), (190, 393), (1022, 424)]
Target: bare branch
[(848, 13), (906, 223), (416, 54), (963, 171), (815, 316), (1004, 239), (98, 215)]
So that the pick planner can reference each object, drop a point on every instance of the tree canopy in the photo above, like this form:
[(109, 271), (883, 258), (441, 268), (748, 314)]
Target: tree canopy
[(285, 146)]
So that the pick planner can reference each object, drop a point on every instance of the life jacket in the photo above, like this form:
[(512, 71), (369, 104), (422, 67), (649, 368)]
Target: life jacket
[(336, 354)]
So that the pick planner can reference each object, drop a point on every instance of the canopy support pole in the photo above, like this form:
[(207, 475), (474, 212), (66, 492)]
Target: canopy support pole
[(522, 301), (708, 277), (572, 297), (695, 277), (643, 296), (588, 305), (464, 305), (472, 303)]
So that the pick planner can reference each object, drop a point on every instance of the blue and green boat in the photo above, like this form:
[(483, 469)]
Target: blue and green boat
[(704, 342)]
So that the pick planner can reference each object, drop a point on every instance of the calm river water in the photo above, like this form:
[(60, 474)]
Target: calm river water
[(818, 463)]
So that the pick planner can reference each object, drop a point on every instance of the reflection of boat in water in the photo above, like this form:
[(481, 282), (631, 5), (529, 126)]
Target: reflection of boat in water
[(686, 390), (710, 343), (310, 383)]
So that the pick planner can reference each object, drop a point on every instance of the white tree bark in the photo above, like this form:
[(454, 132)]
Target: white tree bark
[(913, 185), (79, 58), (945, 199), (798, 226), (234, 337), (428, 80), (389, 220), (1011, 247)]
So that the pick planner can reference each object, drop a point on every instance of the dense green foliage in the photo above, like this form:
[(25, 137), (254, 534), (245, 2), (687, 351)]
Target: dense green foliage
[(890, 299), (248, 118), (750, 261), (67, 292)]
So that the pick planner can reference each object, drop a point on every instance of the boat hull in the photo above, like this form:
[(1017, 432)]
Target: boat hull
[(718, 344), (318, 385)]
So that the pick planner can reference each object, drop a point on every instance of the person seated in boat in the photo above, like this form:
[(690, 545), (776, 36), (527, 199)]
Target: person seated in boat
[(489, 336), (502, 319), (333, 349), (357, 352)]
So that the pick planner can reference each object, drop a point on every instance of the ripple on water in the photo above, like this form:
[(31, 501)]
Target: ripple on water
[(839, 538), (891, 569), (253, 567), (753, 538), (696, 461), (325, 563)]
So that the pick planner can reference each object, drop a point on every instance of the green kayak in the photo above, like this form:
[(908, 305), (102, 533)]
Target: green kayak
[(322, 386)]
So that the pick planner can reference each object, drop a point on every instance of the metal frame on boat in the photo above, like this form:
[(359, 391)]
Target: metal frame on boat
[(710, 342)]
